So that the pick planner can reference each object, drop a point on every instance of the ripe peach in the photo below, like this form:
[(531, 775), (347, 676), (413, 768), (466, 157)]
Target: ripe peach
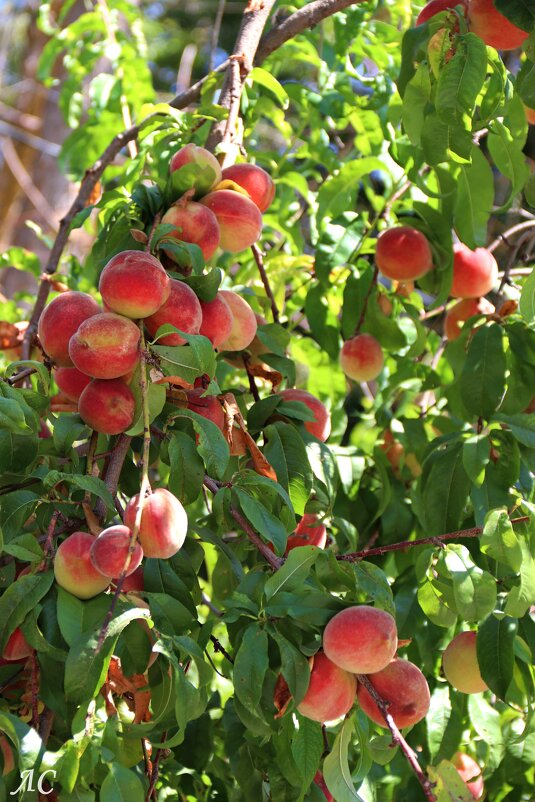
[(361, 639), (74, 569), (17, 647), (182, 309), (200, 158), (474, 272), (107, 406), (308, 533), (110, 550), (460, 664), (361, 358), (393, 449), (134, 284), (320, 426), (60, 320), (530, 115), (331, 691), (164, 523), (7, 755), (257, 183), (463, 311), (403, 685), (320, 782), (216, 320), (486, 22), (134, 582), (240, 221), (403, 253), (469, 772), (195, 224), (244, 323), (436, 6), (71, 381), (105, 346), (208, 406)]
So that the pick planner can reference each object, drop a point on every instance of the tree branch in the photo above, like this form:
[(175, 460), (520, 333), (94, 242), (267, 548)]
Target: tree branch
[(398, 738), (258, 257), (504, 236), (113, 470)]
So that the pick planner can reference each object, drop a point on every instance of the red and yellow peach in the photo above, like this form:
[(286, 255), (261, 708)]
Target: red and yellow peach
[(474, 272), (134, 284), (361, 358), (361, 639), (105, 346), (460, 664), (331, 691), (195, 224), (164, 523), (182, 309), (201, 159), (403, 254), (60, 320), (109, 551), (320, 426), (256, 182), (239, 219), (74, 569), (216, 320), (404, 687), (244, 323), (485, 21), (107, 406)]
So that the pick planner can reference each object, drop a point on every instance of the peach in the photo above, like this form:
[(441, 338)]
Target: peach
[(254, 180), (320, 782), (239, 219), (404, 687), (164, 523), (201, 159), (72, 382), (110, 550), (403, 254), (60, 320), (474, 272), (134, 284), (530, 115), (133, 582), (207, 406), (331, 691), (244, 323), (463, 311), (216, 320), (195, 224), (320, 426), (308, 532), (486, 22), (469, 772), (105, 346), (436, 6), (361, 639), (393, 449), (107, 406), (460, 664), (182, 309), (74, 569), (7, 755), (17, 647), (361, 358)]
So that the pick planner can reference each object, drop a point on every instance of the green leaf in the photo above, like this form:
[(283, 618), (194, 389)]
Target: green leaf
[(186, 468), (476, 457), (285, 451), (437, 719), (91, 484), (482, 382), (461, 79), (262, 519), (444, 489), (527, 298), (449, 787), (474, 199), (373, 581), (333, 194), (294, 667), (156, 398), (495, 652), (121, 785), (336, 770), (520, 12), (474, 590), (508, 158), (293, 573), (212, 447), (434, 605), (26, 740), (269, 82), (19, 599), (487, 723), (522, 426), (522, 596), (499, 540), (307, 748), (250, 666)]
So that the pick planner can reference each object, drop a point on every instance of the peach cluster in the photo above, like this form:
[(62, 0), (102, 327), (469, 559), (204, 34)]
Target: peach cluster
[(364, 640), (474, 275), (228, 206)]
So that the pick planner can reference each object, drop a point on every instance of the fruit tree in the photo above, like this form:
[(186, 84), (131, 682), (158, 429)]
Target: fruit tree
[(267, 408)]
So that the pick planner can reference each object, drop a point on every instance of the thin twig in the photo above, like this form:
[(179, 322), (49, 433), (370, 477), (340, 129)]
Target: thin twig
[(252, 384), (258, 257), (155, 770), (216, 31), (24, 180), (113, 470), (398, 738), (219, 648), (504, 236)]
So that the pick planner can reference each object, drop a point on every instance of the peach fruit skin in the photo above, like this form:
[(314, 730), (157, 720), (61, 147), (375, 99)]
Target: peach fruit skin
[(435, 7), (133, 582), (239, 219), (244, 323), (105, 346), (486, 22), (207, 406), (217, 320), (182, 309), (403, 685), (331, 692), (134, 284), (254, 180), (308, 532), (463, 311), (403, 254), (460, 665), (7, 753), (469, 772), (361, 639), (60, 320), (200, 157), (530, 115), (110, 550), (195, 224), (474, 272), (361, 358), (71, 381), (320, 426), (107, 406), (74, 569), (164, 523), (17, 647)]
